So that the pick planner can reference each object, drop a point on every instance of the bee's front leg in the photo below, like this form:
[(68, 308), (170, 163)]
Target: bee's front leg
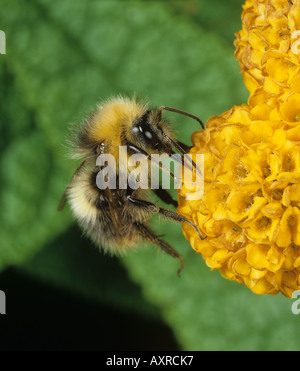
[(169, 214), (165, 197)]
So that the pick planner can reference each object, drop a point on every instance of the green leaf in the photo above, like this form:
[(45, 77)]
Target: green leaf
[(219, 17), (73, 263), (27, 219)]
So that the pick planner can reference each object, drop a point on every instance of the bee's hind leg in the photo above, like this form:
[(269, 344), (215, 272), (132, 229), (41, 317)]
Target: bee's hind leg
[(146, 234)]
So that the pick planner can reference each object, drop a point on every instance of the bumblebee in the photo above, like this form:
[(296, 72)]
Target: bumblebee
[(116, 218)]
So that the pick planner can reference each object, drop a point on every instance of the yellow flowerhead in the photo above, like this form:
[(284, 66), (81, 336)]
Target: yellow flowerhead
[(250, 210)]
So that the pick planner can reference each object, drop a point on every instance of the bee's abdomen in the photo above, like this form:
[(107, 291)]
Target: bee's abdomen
[(91, 208)]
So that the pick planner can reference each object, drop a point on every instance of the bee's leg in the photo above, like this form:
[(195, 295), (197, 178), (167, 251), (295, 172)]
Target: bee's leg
[(171, 215), (148, 235), (184, 146), (165, 197)]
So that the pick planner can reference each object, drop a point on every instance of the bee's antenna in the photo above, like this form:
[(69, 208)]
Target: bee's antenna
[(182, 113)]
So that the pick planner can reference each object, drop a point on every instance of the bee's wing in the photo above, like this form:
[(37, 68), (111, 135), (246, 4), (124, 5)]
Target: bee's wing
[(63, 199)]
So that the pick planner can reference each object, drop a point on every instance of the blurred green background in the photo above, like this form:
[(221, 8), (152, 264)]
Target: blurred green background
[(61, 58)]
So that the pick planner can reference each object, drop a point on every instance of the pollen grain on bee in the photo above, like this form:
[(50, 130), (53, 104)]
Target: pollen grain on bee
[(148, 171)]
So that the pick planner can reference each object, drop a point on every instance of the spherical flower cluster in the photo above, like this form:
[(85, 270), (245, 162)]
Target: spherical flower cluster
[(250, 210), (268, 50)]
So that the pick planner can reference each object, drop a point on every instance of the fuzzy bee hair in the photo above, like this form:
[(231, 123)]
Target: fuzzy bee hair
[(118, 218)]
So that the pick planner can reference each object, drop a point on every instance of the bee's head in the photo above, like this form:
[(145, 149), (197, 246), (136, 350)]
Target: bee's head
[(121, 121), (151, 134)]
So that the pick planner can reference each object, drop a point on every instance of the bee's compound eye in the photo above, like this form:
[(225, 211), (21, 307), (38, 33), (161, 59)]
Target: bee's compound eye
[(142, 130), (148, 134), (145, 133)]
